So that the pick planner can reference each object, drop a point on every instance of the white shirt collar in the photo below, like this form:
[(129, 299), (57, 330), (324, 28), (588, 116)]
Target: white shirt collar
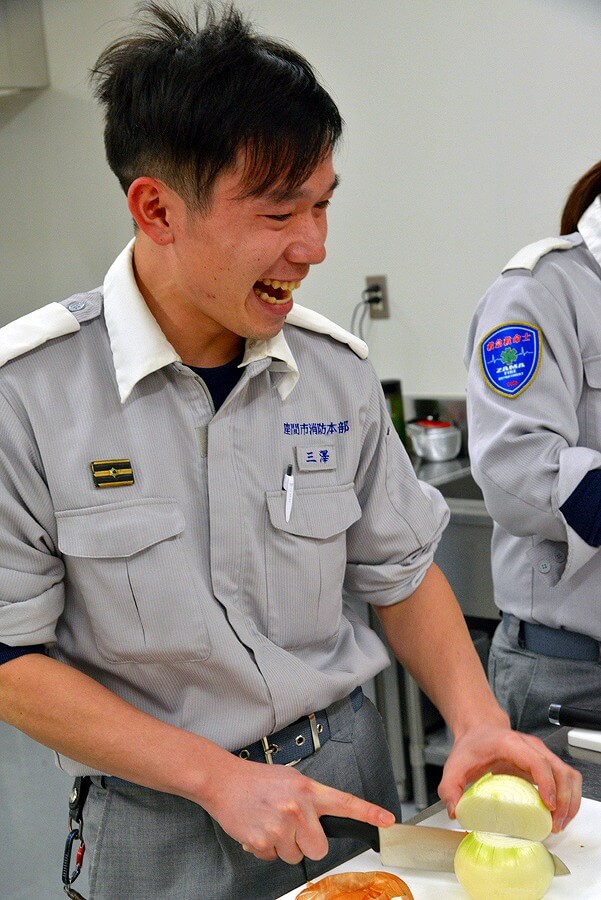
[(589, 226), (139, 347)]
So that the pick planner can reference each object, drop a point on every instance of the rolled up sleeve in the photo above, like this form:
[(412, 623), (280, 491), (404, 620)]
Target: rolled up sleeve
[(392, 546), (31, 574)]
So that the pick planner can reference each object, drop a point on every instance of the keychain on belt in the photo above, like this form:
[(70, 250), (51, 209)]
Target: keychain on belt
[(77, 800)]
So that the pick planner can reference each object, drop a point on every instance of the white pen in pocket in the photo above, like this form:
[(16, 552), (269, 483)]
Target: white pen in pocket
[(288, 486)]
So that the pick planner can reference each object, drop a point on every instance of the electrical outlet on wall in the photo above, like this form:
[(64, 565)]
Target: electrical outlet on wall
[(377, 286)]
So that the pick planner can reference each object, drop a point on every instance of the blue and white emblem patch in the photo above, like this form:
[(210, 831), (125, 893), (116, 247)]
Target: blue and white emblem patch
[(510, 357)]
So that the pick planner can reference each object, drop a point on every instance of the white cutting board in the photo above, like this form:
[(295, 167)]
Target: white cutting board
[(579, 846), (583, 737)]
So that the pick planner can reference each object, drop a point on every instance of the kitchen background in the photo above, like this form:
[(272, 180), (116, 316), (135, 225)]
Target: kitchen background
[(467, 123)]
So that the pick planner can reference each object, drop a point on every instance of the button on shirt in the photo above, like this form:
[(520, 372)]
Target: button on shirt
[(529, 452), (185, 590)]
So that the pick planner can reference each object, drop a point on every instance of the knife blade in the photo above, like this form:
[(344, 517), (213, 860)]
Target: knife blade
[(409, 846)]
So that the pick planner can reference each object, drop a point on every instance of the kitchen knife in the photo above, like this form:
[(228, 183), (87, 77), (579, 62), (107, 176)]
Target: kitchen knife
[(578, 717), (408, 846)]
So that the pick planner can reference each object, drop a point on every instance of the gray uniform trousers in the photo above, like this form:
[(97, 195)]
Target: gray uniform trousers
[(145, 845), (525, 683)]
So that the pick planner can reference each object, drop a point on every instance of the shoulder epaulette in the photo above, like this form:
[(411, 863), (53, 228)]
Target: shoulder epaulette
[(42, 325), (529, 256), (314, 321)]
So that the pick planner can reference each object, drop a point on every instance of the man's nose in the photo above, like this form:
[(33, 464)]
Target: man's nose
[(308, 245)]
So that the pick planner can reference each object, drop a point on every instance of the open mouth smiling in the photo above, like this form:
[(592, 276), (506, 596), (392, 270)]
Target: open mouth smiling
[(273, 291)]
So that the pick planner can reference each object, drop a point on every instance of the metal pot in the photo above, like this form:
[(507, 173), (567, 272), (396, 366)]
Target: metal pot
[(434, 439)]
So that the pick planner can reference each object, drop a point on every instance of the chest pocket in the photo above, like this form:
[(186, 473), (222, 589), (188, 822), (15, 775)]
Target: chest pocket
[(592, 413), (128, 569), (306, 562)]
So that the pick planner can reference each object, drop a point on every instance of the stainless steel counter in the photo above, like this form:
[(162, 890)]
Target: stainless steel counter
[(441, 473)]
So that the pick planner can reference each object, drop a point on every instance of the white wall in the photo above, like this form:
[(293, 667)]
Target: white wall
[(467, 122)]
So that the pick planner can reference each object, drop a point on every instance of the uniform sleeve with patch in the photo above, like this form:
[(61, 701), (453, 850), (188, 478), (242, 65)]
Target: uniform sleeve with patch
[(525, 434)]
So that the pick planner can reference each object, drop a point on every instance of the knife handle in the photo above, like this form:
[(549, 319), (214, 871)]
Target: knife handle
[(339, 827), (574, 716)]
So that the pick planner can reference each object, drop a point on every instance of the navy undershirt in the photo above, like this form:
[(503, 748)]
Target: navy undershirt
[(220, 381), (582, 509)]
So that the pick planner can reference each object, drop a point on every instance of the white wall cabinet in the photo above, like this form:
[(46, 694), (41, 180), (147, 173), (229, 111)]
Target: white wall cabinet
[(22, 50)]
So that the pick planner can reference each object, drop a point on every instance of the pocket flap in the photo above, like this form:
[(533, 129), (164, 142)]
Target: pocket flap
[(315, 512), (117, 529), (592, 371)]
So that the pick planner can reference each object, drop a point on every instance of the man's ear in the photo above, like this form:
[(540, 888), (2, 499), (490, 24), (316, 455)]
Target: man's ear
[(152, 205)]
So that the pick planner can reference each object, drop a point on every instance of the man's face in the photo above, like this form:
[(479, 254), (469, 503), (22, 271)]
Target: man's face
[(238, 263)]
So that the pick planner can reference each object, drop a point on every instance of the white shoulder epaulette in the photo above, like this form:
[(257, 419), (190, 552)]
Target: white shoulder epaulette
[(314, 321), (34, 329), (527, 257)]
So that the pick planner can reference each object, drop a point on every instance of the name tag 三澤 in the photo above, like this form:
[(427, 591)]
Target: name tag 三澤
[(311, 457)]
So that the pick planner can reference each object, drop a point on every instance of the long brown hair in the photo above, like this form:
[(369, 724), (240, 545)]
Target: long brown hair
[(581, 196)]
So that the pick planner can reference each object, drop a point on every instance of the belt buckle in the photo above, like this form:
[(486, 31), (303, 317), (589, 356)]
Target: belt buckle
[(268, 750), (315, 729)]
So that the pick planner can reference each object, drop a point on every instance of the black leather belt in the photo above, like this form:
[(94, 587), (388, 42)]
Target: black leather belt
[(558, 642), (296, 741)]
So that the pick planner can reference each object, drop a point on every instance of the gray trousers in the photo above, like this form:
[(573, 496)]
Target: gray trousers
[(525, 683), (146, 845)]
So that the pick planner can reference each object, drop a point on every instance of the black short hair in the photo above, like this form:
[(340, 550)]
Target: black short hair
[(182, 100)]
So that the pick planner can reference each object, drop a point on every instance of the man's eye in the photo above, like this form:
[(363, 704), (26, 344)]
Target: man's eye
[(323, 204), (282, 218)]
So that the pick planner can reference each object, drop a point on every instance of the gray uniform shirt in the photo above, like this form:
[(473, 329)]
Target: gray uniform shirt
[(187, 592), (530, 451)]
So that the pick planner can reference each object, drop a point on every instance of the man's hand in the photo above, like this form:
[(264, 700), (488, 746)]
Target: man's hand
[(274, 811), (489, 748), (442, 658)]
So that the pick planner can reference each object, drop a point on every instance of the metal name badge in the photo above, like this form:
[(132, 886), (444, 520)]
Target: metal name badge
[(112, 472), (510, 357)]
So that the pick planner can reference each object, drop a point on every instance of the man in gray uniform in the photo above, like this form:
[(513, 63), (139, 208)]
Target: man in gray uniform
[(179, 545), (534, 358)]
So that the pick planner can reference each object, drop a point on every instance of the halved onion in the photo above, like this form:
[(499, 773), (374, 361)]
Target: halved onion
[(504, 804), (496, 867)]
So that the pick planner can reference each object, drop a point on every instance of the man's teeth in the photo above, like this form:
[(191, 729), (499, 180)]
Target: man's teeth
[(285, 285), (284, 289)]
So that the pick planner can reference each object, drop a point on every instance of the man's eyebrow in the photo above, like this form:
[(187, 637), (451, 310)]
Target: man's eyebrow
[(284, 195)]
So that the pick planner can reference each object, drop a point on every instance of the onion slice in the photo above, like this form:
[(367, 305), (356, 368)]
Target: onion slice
[(504, 804), (496, 867)]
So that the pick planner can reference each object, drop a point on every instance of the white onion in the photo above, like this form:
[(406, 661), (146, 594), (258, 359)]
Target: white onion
[(504, 804), (496, 867)]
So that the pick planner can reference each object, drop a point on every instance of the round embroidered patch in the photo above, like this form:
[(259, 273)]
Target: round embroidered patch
[(510, 356)]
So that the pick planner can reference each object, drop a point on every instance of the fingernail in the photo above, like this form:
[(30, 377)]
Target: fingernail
[(386, 818)]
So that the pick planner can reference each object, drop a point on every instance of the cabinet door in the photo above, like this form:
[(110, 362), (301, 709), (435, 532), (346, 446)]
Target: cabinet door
[(22, 48), (4, 49)]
